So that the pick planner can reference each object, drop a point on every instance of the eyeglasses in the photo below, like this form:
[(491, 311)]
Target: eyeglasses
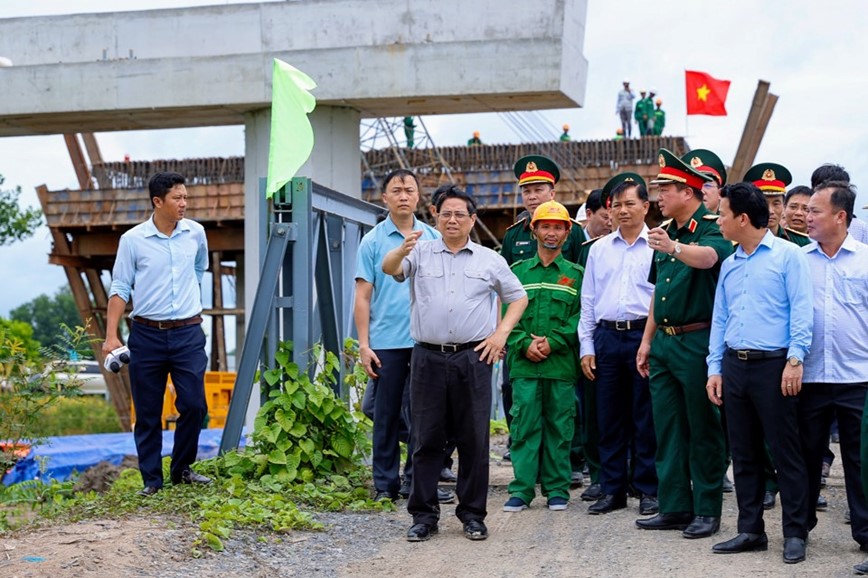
[(447, 216)]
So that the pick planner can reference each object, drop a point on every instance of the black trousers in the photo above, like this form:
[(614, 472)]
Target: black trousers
[(624, 414), (450, 399), (391, 418), (756, 410), (154, 355), (819, 403)]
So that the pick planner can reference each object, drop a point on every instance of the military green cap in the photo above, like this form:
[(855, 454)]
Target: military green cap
[(536, 169), (771, 178), (706, 162), (610, 186), (674, 170)]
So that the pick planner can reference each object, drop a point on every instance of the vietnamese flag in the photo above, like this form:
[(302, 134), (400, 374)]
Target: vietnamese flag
[(705, 94)]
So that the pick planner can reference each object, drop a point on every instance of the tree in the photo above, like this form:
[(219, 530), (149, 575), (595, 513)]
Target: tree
[(16, 224), (47, 315)]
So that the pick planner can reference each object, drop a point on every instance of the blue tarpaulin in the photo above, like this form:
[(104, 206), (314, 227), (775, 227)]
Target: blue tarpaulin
[(59, 457)]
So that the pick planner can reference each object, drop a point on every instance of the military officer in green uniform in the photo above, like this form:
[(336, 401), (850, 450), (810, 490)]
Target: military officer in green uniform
[(537, 176), (543, 361), (690, 448), (709, 164), (773, 180)]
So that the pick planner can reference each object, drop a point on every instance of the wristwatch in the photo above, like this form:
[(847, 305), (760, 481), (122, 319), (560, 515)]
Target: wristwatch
[(677, 250), (795, 361)]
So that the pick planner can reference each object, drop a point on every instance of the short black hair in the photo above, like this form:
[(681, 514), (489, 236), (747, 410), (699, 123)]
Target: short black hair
[(594, 201), (454, 192), (798, 190), (843, 196), (641, 191), (828, 172), (162, 183), (747, 199), (399, 174)]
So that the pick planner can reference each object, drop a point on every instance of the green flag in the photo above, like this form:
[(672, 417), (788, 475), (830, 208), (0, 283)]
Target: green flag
[(291, 132)]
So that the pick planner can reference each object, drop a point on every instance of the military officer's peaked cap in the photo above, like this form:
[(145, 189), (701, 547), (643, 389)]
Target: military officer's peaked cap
[(536, 169), (632, 178), (706, 162), (674, 170), (771, 178)]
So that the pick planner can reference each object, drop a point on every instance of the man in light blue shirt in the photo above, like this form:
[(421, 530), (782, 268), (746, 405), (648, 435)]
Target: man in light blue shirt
[(159, 266), (836, 369), (760, 333), (382, 316)]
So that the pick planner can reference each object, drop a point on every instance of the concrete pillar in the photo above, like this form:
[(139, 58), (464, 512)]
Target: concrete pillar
[(334, 163)]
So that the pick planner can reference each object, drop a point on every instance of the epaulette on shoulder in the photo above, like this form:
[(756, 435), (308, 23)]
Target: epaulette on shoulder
[(517, 223), (711, 217), (735, 243), (665, 224), (591, 241), (793, 232)]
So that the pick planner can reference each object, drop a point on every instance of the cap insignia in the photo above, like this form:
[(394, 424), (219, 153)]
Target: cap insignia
[(661, 161), (768, 175), (531, 167), (628, 180), (696, 162)]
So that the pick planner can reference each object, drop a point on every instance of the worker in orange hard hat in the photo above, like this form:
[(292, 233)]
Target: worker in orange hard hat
[(659, 118), (475, 141), (565, 137), (619, 134)]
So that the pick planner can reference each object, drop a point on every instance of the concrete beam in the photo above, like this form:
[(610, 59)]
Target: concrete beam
[(212, 65)]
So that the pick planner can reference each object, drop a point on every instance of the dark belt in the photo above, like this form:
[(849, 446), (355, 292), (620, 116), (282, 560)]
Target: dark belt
[(681, 329), (630, 325), (449, 347), (168, 323), (751, 354)]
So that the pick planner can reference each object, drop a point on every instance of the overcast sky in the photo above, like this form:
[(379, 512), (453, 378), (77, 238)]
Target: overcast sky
[(809, 51)]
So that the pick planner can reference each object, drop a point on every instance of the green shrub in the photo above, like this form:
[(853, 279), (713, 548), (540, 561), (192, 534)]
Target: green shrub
[(77, 416)]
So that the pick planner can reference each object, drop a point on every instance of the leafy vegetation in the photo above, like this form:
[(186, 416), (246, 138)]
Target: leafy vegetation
[(16, 224), (77, 416), (46, 314)]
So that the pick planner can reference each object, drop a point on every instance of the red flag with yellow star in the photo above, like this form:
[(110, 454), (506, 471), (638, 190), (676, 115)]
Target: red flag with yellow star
[(706, 94)]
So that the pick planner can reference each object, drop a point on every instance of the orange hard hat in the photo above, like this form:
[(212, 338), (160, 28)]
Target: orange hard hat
[(551, 211), (566, 127), (476, 133), (658, 101), (619, 131)]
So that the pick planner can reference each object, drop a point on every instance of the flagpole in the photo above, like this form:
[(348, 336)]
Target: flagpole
[(686, 116)]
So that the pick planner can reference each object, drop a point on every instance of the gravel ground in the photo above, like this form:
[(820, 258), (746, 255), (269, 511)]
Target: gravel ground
[(536, 542)]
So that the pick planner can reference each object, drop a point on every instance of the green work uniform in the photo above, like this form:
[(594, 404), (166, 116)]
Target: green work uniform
[(659, 121), (800, 239), (543, 394), (586, 440), (519, 244), (690, 449), (644, 108)]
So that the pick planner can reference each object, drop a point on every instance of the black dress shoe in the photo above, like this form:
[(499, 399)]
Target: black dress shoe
[(148, 491), (794, 550), (446, 475), (728, 486), (593, 493), (672, 521), (861, 569), (445, 496), (421, 532), (648, 505), (188, 476), (475, 530), (822, 504), (608, 503), (385, 497), (404, 490), (744, 542), (702, 527), (768, 500)]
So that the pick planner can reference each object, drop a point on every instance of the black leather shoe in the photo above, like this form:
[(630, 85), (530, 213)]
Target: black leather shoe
[(794, 550), (673, 521), (728, 486), (475, 530), (768, 500), (861, 569), (744, 542), (421, 532), (702, 527), (608, 503), (822, 504), (648, 505), (404, 490), (593, 493), (385, 496), (446, 475), (445, 496), (148, 491), (188, 476)]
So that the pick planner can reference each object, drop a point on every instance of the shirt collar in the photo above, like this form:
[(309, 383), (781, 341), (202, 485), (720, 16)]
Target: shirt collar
[(850, 245), (643, 234), (440, 246), (152, 230), (766, 241), (389, 225)]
